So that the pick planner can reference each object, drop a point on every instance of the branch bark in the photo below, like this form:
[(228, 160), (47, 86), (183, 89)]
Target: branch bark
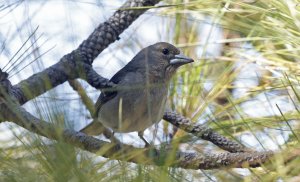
[(77, 64), (204, 132)]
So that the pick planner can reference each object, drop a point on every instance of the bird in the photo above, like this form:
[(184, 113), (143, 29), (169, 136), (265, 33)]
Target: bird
[(138, 99)]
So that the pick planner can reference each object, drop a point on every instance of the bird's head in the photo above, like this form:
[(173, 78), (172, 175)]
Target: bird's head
[(162, 59)]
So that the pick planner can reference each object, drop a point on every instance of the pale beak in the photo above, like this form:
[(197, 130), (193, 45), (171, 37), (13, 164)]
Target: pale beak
[(180, 60)]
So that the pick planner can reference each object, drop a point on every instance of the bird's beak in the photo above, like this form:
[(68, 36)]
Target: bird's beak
[(180, 60)]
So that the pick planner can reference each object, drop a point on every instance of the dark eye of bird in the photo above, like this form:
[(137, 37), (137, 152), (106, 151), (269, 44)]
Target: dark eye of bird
[(165, 51)]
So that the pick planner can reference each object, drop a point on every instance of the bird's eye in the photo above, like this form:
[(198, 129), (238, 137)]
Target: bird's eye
[(165, 51)]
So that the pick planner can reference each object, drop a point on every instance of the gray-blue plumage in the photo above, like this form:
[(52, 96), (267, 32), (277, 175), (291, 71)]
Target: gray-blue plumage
[(139, 98)]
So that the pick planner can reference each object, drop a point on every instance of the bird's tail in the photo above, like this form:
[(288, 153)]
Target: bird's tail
[(93, 129)]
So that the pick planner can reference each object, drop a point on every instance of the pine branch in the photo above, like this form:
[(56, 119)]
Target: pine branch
[(146, 156), (203, 132), (77, 64)]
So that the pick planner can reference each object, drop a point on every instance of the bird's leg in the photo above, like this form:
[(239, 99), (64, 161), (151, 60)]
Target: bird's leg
[(141, 135)]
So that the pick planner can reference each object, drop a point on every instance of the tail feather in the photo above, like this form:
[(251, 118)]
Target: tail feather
[(93, 129)]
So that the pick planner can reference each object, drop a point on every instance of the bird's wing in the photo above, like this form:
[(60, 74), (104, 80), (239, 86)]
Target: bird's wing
[(116, 79), (120, 75), (95, 127), (128, 72), (121, 78)]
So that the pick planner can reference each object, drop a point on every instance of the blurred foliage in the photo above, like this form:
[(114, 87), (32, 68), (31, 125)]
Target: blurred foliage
[(220, 90), (244, 84)]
